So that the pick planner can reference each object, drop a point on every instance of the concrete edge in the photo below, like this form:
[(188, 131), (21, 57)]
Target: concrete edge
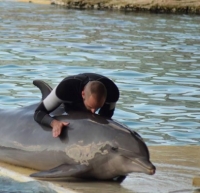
[(23, 178)]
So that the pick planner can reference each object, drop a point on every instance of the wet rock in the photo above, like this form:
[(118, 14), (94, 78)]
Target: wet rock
[(155, 6)]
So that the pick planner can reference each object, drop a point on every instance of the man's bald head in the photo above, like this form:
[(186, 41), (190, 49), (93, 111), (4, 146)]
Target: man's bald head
[(94, 95), (96, 88)]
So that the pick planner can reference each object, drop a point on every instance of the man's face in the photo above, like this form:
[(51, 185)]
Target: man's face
[(92, 104)]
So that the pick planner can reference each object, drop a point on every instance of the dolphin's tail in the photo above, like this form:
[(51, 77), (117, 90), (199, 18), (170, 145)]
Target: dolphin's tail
[(44, 88)]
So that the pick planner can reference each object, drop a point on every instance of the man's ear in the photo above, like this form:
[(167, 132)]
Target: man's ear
[(83, 94)]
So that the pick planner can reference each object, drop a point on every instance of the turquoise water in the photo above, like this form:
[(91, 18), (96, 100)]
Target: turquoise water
[(153, 58), (8, 185)]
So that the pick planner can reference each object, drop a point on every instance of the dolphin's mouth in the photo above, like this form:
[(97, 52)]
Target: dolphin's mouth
[(143, 163), (147, 165)]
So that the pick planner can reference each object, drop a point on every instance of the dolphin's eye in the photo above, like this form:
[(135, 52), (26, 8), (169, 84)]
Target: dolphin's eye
[(114, 148)]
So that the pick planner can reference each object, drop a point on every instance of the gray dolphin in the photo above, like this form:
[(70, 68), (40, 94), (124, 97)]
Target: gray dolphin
[(90, 147)]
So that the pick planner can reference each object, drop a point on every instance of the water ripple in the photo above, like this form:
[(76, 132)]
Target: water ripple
[(154, 59)]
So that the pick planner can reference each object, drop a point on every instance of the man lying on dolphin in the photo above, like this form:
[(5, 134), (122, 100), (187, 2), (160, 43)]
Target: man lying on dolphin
[(87, 91)]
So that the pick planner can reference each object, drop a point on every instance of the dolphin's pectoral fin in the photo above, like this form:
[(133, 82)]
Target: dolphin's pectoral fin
[(63, 171)]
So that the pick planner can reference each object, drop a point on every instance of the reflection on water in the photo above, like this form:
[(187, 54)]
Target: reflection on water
[(154, 59)]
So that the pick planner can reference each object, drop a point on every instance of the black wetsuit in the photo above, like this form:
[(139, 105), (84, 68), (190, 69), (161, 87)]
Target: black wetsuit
[(69, 92)]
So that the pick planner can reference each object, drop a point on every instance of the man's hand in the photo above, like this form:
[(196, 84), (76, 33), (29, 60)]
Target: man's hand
[(57, 127)]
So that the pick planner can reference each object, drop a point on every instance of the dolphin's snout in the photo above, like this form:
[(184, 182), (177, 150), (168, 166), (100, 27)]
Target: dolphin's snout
[(146, 165), (152, 171)]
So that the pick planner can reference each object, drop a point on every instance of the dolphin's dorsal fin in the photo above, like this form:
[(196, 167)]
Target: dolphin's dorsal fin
[(44, 88)]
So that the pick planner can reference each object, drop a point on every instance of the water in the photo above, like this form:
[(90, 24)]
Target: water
[(153, 58), (8, 185)]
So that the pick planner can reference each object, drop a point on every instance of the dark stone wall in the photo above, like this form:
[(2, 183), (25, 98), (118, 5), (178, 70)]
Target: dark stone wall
[(155, 6)]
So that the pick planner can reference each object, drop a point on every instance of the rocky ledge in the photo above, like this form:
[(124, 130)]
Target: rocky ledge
[(156, 6)]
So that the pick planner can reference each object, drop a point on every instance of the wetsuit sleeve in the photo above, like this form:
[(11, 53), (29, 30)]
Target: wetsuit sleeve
[(50, 103), (107, 110)]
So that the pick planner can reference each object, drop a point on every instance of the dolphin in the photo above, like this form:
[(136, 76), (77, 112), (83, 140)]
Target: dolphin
[(91, 147)]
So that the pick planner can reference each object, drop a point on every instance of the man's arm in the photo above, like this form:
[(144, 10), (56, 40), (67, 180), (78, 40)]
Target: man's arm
[(112, 97), (107, 110), (50, 103)]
